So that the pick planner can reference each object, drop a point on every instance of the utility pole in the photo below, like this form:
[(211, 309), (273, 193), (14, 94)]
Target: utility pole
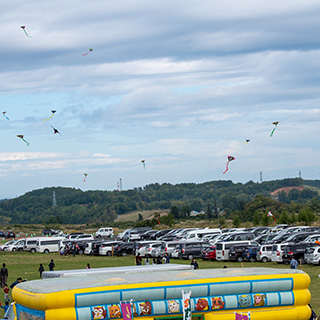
[(261, 176), (54, 201)]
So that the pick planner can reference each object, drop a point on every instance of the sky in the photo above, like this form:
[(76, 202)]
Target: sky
[(179, 84)]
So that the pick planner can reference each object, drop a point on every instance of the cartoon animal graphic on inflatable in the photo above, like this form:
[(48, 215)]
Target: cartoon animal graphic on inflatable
[(217, 303), (174, 306), (258, 300), (145, 308), (114, 311), (202, 304), (99, 313), (244, 301)]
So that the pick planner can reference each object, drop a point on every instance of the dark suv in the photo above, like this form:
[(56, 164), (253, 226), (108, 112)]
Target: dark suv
[(190, 250), (295, 250), (236, 252), (10, 234), (122, 249), (250, 254)]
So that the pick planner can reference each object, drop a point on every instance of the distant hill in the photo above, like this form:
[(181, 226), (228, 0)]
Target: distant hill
[(286, 190), (75, 206)]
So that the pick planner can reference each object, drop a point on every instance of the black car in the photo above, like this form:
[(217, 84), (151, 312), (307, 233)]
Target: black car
[(48, 232), (2, 234), (122, 249), (10, 234), (190, 250), (295, 250), (240, 236), (159, 234), (95, 247), (236, 252), (147, 234)]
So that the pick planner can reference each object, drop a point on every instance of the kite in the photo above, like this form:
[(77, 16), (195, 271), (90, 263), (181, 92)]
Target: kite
[(230, 158), (24, 29), (143, 163), (246, 142), (21, 137), (85, 177), (271, 215), (53, 112), (275, 124), (55, 130), (4, 114), (90, 50)]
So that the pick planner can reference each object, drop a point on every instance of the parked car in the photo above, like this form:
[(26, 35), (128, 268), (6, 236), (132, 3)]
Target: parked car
[(106, 248), (312, 255), (296, 251), (17, 245), (298, 237), (209, 253), (159, 234), (95, 247), (147, 234), (2, 234), (104, 232), (135, 234), (277, 252), (264, 254), (10, 234), (189, 250), (123, 248), (236, 252), (240, 236), (141, 247), (168, 247), (4, 246), (250, 254), (264, 238), (82, 237), (222, 248)]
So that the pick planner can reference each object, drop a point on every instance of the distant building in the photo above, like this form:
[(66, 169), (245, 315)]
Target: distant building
[(194, 213)]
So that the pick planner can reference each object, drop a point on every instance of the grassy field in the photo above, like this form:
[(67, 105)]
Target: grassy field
[(25, 265)]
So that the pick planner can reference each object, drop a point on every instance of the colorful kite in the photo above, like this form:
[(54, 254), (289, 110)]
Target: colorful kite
[(275, 127), (24, 29), (85, 177), (53, 112), (4, 114), (246, 141), (55, 131), (271, 215), (90, 50), (21, 137), (143, 163), (230, 158)]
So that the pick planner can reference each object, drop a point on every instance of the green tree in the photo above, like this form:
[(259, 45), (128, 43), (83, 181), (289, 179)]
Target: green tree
[(236, 221), (209, 212)]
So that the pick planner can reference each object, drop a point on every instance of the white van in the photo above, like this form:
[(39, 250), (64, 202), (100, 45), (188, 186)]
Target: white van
[(104, 232), (46, 245), (31, 244), (195, 235), (222, 248)]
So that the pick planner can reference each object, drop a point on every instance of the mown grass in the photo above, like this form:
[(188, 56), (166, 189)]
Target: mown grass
[(25, 265)]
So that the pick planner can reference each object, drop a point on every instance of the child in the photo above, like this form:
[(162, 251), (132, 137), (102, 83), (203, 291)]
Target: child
[(41, 269), (6, 293), (5, 307)]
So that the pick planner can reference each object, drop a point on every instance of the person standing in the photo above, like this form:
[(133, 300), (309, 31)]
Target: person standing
[(41, 269), (194, 263), (88, 266), (51, 265), (167, 258), (138, 260), (6, 293), (293, 263), (4, 275)]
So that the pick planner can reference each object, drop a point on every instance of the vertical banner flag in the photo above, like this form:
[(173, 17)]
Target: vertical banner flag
[(242, 316), (186, 305), (126, 311)]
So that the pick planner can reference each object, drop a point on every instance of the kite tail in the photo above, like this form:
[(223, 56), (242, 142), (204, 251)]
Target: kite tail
[(26, 142), (6, 117), (227, 168), (26, 33), (84, 180), (48, 118), (144, 166), (271, 134)]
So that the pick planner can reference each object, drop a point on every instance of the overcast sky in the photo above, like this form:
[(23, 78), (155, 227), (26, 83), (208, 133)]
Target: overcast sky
[(179, 84)]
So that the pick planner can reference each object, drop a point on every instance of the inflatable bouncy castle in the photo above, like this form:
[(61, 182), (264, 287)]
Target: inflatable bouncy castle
[(156, 293)]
